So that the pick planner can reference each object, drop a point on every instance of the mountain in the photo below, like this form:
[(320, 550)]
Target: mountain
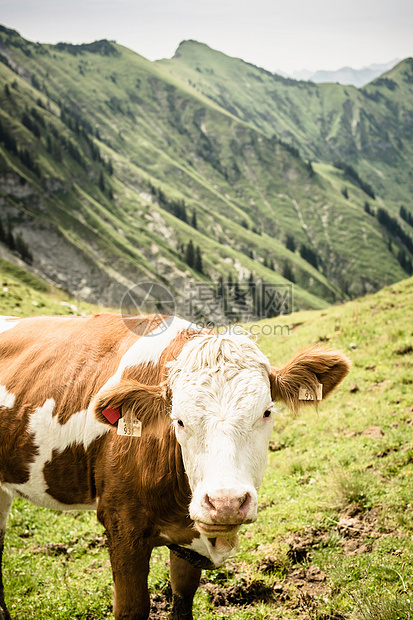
[(368, 128), (115, 170), (347, 75)]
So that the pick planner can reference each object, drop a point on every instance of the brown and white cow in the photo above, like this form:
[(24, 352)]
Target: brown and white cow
[(189, 481)]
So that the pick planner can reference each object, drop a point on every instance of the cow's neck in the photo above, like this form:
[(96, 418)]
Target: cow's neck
[(154, 486)]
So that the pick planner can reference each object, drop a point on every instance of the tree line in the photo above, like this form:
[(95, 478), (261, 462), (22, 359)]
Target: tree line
[(352, 175), (57, 144), (391, 224), (15, 242)]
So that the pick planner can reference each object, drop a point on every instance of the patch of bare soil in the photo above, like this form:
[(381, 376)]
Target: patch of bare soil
[(52, 549), (242, 593), (300, 591), (161, 603), (355, 529)]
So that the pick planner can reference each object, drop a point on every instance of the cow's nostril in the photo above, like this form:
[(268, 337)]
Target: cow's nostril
[(208, 502), (245, 502)]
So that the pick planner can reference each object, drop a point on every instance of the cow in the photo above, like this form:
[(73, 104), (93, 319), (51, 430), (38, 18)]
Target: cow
[(159, 426)]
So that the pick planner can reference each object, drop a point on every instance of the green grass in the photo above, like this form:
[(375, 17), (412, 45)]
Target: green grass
[(24, 294), (333, 538)]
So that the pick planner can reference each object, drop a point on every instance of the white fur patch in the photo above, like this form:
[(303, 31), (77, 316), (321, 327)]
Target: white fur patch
[(202, 546), (150, 347), (7, 322), (6, 398), (49, 435)]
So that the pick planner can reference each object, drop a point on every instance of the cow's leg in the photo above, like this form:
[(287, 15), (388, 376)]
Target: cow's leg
[(129, 557), (184, 581), (5, 505)]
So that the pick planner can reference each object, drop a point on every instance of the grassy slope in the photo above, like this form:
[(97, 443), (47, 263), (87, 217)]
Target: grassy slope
[(159, 130), (154, 154), (24, 294), (369, 127), (338, 495)]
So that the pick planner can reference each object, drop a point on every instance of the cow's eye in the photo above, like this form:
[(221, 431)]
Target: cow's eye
[(267, 413), (180, 423)]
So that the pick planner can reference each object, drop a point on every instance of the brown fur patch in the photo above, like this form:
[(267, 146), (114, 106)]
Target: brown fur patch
[(307, 368), (70, 474), (154, 493), (17, 449)]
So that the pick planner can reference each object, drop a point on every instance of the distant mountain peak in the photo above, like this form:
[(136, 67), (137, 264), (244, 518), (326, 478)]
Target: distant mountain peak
[(347, 75)]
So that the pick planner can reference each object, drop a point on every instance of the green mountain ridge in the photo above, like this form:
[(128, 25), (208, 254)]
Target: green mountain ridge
[(105, 157), (368, 127)]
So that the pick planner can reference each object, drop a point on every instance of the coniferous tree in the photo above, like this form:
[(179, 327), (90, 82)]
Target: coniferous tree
[(290, 243), (406, 215), (10, 237), (193, 220), (23, 249), (309, 255), (190, 254), (251, 283), (229, 283), (220, 287), (401, 257), (198, 260), (288, 272), (182, 209), (2, 232)]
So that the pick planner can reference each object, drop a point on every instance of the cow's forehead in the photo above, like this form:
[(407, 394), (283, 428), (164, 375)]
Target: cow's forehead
[(214, 352), (217, 374), (222, 391)]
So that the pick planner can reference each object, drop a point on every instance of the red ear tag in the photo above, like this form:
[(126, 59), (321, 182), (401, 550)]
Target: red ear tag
[(111, 414)]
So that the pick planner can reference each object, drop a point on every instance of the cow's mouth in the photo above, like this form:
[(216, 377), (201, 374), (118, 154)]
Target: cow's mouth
[(214, 529)]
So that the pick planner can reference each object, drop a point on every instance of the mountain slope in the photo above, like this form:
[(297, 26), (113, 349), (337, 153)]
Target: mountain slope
[(369, 128), (107, 158)]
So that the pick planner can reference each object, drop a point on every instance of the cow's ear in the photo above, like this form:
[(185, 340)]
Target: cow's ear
[(298, 381), (132, 400)]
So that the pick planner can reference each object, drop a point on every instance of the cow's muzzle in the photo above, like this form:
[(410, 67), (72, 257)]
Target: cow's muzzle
[(225, 509), (222, 511)]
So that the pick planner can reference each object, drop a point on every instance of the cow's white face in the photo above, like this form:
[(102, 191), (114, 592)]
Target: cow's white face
[(221, 412)]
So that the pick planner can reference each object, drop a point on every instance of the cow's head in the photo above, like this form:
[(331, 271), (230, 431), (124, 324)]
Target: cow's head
[(223, 392), (220, 395)]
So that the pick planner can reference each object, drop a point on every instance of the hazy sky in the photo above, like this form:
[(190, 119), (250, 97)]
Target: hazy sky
[(274, 34)]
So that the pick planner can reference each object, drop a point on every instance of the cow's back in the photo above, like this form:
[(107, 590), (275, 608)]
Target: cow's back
[(50, 367)]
